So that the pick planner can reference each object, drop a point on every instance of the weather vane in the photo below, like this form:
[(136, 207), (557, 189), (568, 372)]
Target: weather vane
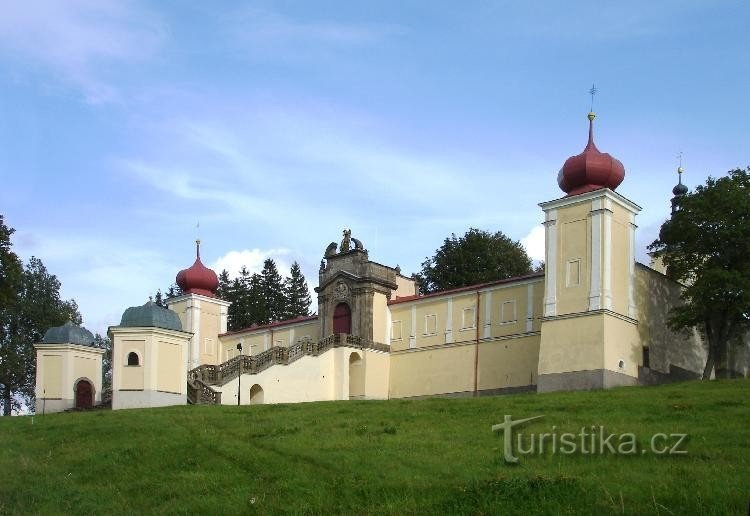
[(593, 91)]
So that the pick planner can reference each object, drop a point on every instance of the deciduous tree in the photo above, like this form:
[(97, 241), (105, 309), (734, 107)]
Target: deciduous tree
[(477, 257), (706, 246)]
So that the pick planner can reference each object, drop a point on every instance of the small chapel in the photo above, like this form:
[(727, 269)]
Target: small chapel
[(594, 319)]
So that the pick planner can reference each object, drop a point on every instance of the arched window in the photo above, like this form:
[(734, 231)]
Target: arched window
[(133, 358), (342, 319)]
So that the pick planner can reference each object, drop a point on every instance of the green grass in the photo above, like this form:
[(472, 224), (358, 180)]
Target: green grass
[(401, 456)]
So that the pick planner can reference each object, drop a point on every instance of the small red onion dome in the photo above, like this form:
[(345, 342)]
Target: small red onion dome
[(590, 170), (198, 279)]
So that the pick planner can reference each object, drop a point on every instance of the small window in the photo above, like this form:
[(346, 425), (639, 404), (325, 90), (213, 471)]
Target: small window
[(573, 273), (279, 343), (396, 330), (133, 359), (430, 324), (508, 313), (208, 346), (468, 318)]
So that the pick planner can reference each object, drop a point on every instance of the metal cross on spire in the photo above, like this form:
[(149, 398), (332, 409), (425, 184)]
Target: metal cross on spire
[(679, 166)]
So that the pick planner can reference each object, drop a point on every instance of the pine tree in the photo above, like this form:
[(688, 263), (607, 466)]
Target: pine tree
[(224, 286), (159, 299), (273, 291), (297, 294)]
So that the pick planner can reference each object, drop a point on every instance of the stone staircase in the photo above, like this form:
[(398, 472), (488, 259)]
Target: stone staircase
[(204, 376)]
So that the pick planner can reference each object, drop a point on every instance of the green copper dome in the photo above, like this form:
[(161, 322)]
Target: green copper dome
[(150, 315), (68, 333)]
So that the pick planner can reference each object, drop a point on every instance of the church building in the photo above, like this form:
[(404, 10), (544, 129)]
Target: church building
[(594, 319)]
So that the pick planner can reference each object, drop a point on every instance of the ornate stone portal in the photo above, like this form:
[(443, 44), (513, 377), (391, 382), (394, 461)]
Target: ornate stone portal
[(348, 276)]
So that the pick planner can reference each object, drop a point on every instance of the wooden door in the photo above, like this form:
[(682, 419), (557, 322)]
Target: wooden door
[(342, 319), (84, 394)]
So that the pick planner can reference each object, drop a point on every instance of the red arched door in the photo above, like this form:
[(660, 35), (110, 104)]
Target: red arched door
[(84, 394), (342, 319)]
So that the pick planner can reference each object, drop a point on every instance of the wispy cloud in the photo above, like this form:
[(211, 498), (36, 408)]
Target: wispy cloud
[(104, 275), (271, 34), (78, 40)]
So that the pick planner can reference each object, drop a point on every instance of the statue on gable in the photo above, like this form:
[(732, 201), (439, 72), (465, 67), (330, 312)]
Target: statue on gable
[(331, 249), (358, 244), (346, 243)]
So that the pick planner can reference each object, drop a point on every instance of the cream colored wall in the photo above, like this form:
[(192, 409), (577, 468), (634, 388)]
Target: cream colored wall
[(210, 350), (404, 287), (59, 367), (377, 374), (131, 377), (465, 327), (401, 317), (444, 362), (160, 379), (620, 264), (88, 366), (168, 375), (428, 372), (50, 375), (356, 376), (380, 318), (573, 243), (508, 363), (621, 343), (574, 344), (314, 378)]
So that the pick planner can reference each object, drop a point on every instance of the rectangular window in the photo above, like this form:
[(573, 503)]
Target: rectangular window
[(469, 318), (573, 273), (430, 324), (508, 312), (279, 343), (396, 330), (208, 346)]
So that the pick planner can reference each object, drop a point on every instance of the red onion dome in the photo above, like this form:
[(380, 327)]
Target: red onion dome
[(590, 170), (198, 279)]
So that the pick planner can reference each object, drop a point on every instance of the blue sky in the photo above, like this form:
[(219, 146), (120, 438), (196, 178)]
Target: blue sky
[(278, 124)]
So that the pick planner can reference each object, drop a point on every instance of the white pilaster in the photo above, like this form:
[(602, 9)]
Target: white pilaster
[(529, 307), (550, 276), (607, 255), (223, 315), (632, 310), (488, 314), (449, 322), (595, 292), (388, 325), (413, 335), (194, 326)]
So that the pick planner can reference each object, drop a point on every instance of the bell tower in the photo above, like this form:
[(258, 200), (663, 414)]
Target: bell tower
[(589, 328), (353, 292)]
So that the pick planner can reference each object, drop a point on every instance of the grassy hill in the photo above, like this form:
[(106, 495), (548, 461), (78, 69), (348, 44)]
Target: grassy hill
[(414, 456)]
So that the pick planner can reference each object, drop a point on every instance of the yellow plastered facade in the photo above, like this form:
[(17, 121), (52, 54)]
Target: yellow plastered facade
[(59, 368), (159, 375), (592, 319)]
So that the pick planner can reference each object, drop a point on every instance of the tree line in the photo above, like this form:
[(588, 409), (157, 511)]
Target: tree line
[(258, 298), (30, 304)]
